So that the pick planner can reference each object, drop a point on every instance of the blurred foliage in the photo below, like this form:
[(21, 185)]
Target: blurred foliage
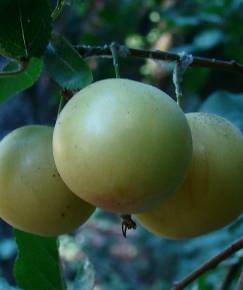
[(142, 261), (97, 256)]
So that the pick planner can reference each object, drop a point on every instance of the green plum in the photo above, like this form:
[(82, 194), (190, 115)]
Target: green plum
[(33, 197), (212, 193), (122, 145)]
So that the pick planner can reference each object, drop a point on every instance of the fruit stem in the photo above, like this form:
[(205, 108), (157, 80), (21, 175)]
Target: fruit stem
[(127, 224), (61, 103), (113, 48)]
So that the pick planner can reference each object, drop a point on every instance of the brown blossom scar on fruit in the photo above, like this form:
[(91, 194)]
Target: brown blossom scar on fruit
[(127, 224)]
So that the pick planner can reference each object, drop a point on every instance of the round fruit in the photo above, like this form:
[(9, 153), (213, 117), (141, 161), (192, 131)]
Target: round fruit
[(212, 193), (122, 145), (33, 197)]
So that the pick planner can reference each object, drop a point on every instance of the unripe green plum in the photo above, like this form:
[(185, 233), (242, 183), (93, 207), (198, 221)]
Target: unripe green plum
[(122, 145), (212, 193), (33, 197)]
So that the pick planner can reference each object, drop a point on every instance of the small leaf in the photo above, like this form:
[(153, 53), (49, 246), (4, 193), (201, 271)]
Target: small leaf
[(37, 266), (65, 65), (25, 27), (16, 81), (227, 105)]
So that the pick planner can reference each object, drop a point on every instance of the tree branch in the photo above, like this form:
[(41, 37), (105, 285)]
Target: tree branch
[(230, 276), (240, 282), (210, 264), (90, 51)]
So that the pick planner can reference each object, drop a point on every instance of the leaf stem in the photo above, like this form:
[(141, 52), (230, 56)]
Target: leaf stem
[(58, 9)]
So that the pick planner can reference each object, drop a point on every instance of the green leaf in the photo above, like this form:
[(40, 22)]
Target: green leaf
[(65, 65), (227, 105), (37, 266), (25, 27), (18, 80)]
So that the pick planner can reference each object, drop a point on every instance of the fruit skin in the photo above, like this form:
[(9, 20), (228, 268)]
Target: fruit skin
[(212, 193), (33, 198), (122, 145)]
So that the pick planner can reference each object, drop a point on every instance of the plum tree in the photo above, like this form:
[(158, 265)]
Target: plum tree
[(122, 145), (212, 194), (33, 197)]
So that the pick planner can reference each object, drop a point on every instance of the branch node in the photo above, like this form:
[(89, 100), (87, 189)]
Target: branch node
[(123, 50)]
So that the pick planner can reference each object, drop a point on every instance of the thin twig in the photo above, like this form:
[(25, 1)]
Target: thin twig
[(210, 264), (240, 282), (90, 51), (230, 276)]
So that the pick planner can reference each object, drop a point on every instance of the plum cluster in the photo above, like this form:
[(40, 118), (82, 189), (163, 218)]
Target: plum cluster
[(126, 147)]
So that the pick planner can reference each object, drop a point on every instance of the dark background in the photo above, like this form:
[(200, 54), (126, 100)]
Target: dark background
[(97, 256)]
